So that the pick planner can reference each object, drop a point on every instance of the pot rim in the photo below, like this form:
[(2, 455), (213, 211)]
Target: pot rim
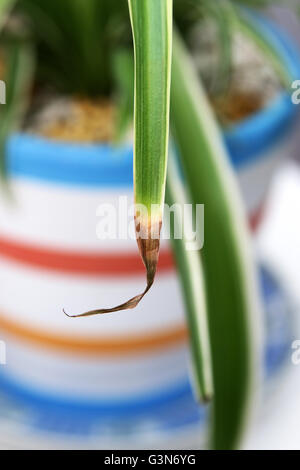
[(106, 165), (260, 132)]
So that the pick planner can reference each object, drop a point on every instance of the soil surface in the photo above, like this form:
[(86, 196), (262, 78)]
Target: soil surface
[(77, 120), (250, 82), (249, 86)]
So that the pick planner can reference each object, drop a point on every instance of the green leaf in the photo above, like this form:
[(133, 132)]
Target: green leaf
[(75, 40), (223, 15), (193, 286), (230, 276), (123, 65), (19, 67), (151, 22), (5, 8), (249, 28)]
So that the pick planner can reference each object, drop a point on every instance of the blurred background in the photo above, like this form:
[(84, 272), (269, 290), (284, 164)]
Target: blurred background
[(123, 380)]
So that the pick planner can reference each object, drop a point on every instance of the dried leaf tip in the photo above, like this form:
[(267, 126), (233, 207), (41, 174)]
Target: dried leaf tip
[(149, 251)]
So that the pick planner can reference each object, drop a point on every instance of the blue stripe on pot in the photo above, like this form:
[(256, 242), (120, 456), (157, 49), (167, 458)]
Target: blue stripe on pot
[(170, 408), (106, 406), (65, 163), (102, 165), (174, 406)]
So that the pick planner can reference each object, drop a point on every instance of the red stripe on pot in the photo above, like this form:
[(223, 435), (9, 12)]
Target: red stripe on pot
[(97, 264), (256, 218), (104, 264)]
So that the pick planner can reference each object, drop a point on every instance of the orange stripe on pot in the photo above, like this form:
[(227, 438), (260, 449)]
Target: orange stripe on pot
[(114, 346), (74, 262)]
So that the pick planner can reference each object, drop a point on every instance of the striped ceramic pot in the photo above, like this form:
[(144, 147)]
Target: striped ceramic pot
[(125, 373)]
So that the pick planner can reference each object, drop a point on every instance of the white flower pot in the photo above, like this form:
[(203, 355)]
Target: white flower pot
[(129, 366)]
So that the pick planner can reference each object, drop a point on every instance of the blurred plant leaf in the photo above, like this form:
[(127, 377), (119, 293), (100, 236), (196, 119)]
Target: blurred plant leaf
[(228, 266), (251, 29), (19, 69), (255, 3), (193, 287), (5, 8), (223, 15), (123, 66), (76, 39)]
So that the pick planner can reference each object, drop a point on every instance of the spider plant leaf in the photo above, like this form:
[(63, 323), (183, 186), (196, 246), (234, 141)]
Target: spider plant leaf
[(255, 3), (190, 272), (123, 67), (19, 68), (230, 278), (251, 30), (151, 22), (5, 8), (222, 14)]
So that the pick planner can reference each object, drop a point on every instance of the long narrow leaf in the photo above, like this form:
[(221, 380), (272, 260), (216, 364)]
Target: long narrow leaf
[(19, 68), (152, 32), (249, 29), (123, 67), (228, 265), (5, 8), (191, 276)]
